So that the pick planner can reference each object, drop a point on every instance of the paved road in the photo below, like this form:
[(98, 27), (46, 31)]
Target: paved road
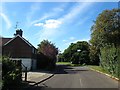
[(78, 77)]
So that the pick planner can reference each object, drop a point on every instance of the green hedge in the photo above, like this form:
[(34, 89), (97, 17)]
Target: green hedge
[(11, 75), (110, 59), (44, 62)]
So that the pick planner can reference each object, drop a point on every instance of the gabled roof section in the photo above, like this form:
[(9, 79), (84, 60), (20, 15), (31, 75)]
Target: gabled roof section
[(4, 40), (21, 38)]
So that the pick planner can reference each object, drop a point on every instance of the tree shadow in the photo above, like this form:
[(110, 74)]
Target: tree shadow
[(61, 69), (35, 86)]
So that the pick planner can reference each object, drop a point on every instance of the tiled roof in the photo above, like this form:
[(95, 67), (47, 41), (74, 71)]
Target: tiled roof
[(4, 40)]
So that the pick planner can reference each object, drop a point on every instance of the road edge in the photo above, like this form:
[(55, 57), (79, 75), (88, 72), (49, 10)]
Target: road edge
[(44, 79), (113, 77)]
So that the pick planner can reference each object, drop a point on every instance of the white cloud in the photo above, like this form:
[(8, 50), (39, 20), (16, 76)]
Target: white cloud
[(49, 30), (40, 19), (38, 24), (53, 12), (6, 19), (51, 23)]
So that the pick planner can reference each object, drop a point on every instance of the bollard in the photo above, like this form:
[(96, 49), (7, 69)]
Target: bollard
[(25, 73)]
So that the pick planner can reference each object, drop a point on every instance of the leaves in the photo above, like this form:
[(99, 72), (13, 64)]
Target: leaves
[(106, 28), (48, 49), (77, 53)]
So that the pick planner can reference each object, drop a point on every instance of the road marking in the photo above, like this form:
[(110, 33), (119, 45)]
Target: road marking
[(81, 83)]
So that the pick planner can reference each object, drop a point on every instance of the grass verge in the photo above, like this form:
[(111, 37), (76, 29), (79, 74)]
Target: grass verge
[(68, 63), (100, 69)]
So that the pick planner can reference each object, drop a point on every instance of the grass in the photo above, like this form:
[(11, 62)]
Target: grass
[(99, 68), (68, 63), (64, 63)]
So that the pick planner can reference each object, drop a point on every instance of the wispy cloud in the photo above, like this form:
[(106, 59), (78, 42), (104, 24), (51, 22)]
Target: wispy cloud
[(50, 30), (33, 9), (51, 27), (79, 8), (53, 12), (39, 24), (51, 34), (6, 19)]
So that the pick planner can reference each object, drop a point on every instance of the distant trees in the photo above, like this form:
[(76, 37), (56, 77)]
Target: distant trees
[(47, 51), (77, 53)]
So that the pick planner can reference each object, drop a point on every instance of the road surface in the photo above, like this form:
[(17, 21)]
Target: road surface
[(79, 77)]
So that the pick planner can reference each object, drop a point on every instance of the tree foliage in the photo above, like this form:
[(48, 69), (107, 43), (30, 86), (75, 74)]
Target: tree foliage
[(49, 51), (77, 53), (94, 55), (105, 40), (106, 28), (105, 31)]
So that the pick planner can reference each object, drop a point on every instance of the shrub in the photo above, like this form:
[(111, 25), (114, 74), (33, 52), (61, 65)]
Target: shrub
[(44, 62), (110, 56), (11, 74)]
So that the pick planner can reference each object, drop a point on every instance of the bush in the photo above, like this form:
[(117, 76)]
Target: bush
[(110, 56), (11, 74), (44, 62)]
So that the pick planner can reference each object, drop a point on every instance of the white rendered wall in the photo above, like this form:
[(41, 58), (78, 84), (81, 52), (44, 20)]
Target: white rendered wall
[(34, 62), (25, 61)]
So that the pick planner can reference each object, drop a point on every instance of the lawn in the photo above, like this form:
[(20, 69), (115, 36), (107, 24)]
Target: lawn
[(64, 63), (67, 63)]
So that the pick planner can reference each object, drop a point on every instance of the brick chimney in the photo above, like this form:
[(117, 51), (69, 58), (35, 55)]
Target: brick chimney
[(19, 32)]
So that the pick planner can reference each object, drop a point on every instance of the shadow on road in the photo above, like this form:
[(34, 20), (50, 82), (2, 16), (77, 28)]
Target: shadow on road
[(60, 69), (35, 88), (66, 69)]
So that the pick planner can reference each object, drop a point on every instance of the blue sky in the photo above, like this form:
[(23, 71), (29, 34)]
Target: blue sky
[(61, 23)]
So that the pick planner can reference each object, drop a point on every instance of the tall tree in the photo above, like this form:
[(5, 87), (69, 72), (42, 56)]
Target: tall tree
[(106, 28), (105, 31), (77, 53), (48, 49)]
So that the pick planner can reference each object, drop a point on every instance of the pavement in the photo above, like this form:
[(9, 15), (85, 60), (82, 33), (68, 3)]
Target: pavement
[(36, 77)]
